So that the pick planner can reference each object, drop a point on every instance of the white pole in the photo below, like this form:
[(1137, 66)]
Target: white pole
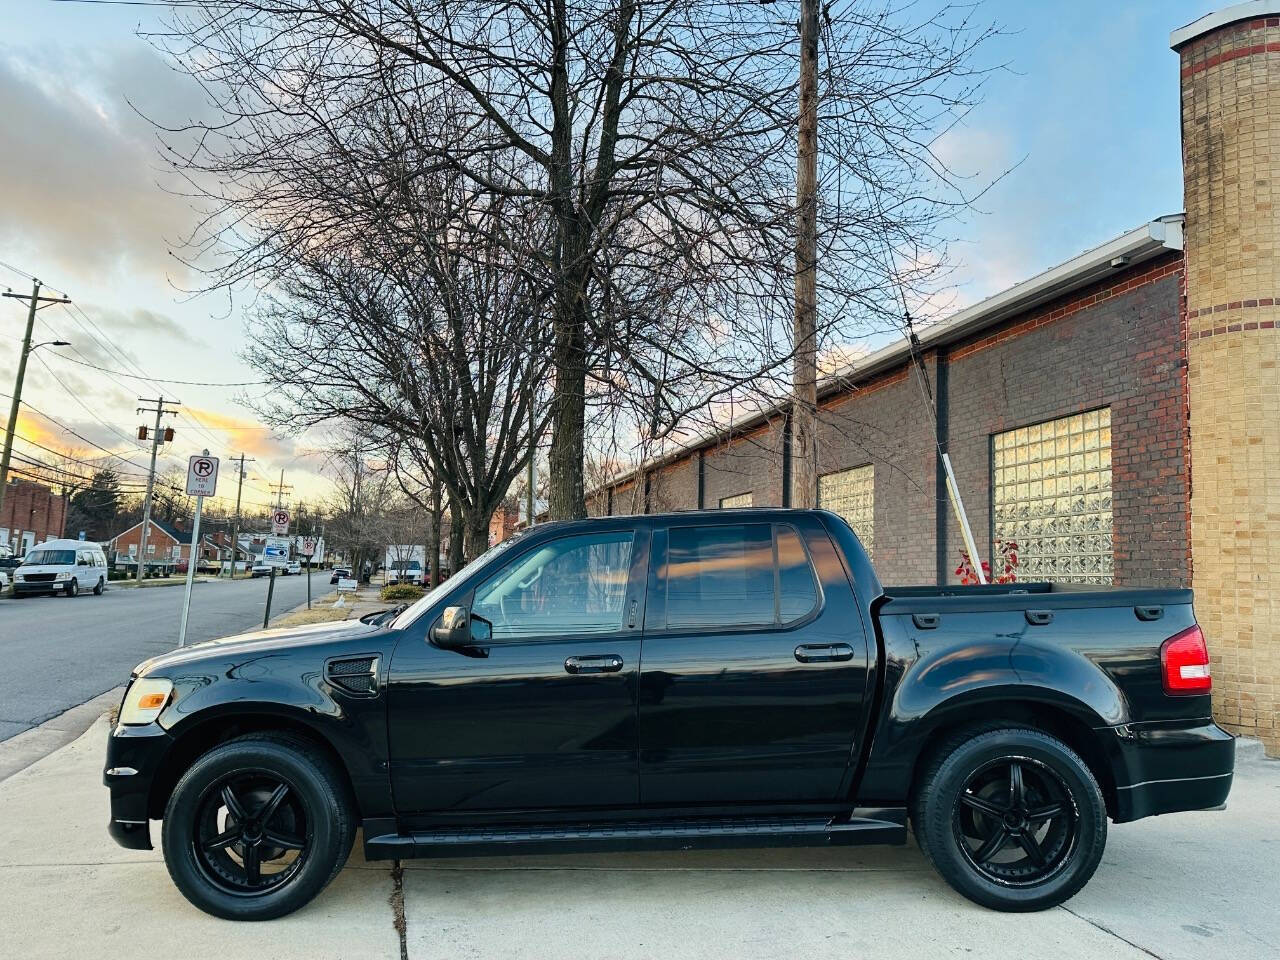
[(958, 505), (191, 568)]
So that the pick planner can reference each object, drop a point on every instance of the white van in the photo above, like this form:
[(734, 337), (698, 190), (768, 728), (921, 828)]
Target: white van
[(68, 566)]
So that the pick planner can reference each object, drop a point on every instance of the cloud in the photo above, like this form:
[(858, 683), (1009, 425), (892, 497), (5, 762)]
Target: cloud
[(80, 170), (241, 434)]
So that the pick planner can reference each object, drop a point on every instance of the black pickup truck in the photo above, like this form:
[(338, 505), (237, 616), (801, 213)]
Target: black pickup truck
[(728, 678)]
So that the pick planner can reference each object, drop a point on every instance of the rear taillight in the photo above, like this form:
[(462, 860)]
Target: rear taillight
[(1184, 664)]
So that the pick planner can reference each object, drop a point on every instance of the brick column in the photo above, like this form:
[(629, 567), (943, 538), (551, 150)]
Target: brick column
[(1231, 165)]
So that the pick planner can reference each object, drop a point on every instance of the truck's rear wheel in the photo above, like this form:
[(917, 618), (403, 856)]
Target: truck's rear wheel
[(257, 827), (1011, 818)]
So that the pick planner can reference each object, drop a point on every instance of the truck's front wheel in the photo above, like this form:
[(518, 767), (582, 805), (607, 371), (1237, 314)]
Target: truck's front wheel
[(1011, 818), (257, 827)]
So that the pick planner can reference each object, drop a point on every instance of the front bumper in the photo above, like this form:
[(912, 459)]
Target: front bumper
[(1166, 767), (134, 755), (31, 589)]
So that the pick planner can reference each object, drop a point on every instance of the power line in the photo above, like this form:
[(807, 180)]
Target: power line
[(58, 423), (158, 380)]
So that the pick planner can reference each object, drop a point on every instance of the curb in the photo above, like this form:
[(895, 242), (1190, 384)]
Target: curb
[(22, 750)]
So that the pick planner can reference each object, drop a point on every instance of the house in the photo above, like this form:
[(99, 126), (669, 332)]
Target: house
[(32, 514)]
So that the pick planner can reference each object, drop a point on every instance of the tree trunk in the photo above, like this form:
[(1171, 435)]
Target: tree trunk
[(567, 496), (477, 533), (455, 536), (433, 538), (804, 489)]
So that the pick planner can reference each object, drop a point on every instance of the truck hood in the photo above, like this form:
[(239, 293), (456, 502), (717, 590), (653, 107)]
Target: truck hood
[(260, 641)]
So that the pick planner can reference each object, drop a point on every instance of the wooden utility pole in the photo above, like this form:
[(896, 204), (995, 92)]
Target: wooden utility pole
[(235, 526), (16, 403), (156, 439), (804, 409)]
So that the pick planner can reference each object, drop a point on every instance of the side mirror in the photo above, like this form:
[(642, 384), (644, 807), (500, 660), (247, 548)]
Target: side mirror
[(453, 630)]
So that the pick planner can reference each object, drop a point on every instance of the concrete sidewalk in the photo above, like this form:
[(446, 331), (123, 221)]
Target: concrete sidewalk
[(1184, 887)]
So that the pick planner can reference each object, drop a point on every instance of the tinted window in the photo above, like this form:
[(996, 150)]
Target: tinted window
[(797, 588), (720, 576), (565, 587)]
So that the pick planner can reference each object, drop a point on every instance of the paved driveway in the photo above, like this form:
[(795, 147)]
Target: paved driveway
[(1184, 887), (58, 652)]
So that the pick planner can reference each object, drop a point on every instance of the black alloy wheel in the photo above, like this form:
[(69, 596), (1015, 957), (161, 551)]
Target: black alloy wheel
[(1014, 821), (258, 826), (250, 832), (1011, 817)]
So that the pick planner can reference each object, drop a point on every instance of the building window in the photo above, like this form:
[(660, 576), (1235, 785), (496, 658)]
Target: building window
[(737, 500), (1051, 494), (851, 494)]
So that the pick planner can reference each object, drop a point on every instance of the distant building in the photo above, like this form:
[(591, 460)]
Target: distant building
[(504, 522), (32, 514)]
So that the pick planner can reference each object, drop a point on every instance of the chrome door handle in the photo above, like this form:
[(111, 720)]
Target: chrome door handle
[(606, 663), (823, 652)]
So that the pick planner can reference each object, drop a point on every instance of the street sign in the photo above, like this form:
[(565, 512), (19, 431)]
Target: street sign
[(347, 585), (275, 552), (308, 546), (202, 476), (280, 521)]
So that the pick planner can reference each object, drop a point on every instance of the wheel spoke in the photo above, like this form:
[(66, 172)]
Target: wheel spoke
[(981, 804), (234, 806), (993, 845), (1016, 789), (269, 808), (252, 871), (273, 839), (1044, 813), (224, 839), (1027, 840)]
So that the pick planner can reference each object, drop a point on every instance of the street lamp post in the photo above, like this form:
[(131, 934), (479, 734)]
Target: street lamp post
[(27, 349)]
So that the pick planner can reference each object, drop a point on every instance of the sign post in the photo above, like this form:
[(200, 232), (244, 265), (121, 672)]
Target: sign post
[(202, 481), (308, 551)]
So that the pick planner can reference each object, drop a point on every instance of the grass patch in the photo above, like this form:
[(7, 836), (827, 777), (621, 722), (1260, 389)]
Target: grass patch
[(317, 614)]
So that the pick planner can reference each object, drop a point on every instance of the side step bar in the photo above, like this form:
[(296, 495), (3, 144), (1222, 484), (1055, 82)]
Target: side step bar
[(864, 826)]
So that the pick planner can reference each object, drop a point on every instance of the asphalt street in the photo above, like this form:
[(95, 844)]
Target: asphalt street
[(60, 651)]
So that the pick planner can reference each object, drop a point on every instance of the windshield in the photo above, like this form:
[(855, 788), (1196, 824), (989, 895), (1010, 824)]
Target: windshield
[(37, 557), (433, 596)]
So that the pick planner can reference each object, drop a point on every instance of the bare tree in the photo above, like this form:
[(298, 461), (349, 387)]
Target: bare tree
[(648, 148)]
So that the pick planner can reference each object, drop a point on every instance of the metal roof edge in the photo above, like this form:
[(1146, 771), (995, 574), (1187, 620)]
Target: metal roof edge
[(1249, 10)]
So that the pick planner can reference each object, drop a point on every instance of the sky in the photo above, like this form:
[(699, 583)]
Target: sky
[(1083, 114)]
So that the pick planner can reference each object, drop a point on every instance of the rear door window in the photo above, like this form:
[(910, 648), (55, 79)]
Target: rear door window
[(735, 576)]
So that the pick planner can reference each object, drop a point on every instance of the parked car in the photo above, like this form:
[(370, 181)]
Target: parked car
[(292, 568), (4, 582), (61, 566), (340, 573), (784, 697), (260, 568)]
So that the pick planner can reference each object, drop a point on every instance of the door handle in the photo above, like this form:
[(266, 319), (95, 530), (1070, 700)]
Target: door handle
[(606, 663), (823, 652)]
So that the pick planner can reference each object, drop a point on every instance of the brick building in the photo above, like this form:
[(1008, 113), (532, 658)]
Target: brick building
[(168, 545), (32, 514), (1117, 416)]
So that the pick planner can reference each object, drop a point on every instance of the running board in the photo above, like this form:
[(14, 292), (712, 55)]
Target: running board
[(879, 825)]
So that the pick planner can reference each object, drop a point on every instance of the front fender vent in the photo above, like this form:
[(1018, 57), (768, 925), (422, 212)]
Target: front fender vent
[(358, 675)]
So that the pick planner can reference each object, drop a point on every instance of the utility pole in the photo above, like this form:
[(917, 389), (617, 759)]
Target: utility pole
[(804, 411), (280, 488), (235, 526), (35, 304), (156, 439)]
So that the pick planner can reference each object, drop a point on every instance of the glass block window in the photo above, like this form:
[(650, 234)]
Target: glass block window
[(851, 493), (737, 500), (1051, 494)]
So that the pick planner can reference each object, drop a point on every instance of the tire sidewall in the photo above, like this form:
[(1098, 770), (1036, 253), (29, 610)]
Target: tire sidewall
[(97, 591), (324, 840), (73, 587), (1091, 820)]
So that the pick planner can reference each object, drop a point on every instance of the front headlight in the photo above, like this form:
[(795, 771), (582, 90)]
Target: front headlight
[(145, 699), (62, 576), (17, 577)]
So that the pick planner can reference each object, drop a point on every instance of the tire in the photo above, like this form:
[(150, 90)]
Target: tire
[(73, 587), (98, 588), (209, 851), (984, 816)]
